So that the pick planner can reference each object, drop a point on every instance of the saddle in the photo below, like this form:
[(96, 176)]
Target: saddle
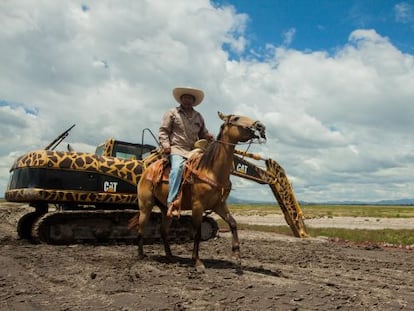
[(159, 172)]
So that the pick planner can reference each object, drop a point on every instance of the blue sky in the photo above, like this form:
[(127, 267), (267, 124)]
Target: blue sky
[(324, 24), (331, 80)]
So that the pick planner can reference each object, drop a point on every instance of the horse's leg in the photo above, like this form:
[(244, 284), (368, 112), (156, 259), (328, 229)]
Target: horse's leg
[(197, 217), (146, 204), (143, 219), (164, 230), (224, 212)]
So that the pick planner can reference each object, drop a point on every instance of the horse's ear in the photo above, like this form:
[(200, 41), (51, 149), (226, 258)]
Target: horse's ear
[(222, 116)]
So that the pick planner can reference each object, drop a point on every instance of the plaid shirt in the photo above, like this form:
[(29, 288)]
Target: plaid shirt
[(180, 130)]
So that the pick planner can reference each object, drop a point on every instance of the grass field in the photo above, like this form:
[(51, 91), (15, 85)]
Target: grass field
[(391, 236), (312, 211)]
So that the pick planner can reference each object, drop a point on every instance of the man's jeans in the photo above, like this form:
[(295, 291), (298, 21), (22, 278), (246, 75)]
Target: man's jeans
[(177, 164)]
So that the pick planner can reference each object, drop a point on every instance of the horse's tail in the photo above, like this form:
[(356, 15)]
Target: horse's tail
[(133, 222)]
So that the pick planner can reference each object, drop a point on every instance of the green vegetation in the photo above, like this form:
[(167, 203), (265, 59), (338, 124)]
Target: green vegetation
[(317, 211), (379, 211), (391, 236)]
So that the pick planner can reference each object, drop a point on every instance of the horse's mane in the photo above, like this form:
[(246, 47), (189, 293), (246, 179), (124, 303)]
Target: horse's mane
[(211, 152)]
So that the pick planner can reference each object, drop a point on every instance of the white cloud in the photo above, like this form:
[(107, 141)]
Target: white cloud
[(404, 13), (288, 36), (338, 123)]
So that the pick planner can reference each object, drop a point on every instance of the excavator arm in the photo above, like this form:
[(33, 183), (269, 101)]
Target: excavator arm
[(274, 175)]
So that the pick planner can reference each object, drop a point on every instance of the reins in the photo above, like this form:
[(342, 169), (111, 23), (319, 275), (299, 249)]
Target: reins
[(249, 143)]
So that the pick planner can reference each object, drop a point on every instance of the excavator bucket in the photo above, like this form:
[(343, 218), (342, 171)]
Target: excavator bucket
[(282, 190), (274, 175)]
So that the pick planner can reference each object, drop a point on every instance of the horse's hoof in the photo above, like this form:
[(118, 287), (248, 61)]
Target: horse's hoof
[(170, 258), (238, 261), (237, 257), (239, 270), (200, 267)]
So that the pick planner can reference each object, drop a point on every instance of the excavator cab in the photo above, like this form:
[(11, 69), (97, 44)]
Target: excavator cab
[(124, 150)]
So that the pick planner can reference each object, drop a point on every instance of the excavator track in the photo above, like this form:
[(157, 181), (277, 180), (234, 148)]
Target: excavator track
[(25, 224), (109, 227)]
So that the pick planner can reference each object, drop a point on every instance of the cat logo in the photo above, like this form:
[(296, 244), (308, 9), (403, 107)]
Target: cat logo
[(110, 186), (241, 168)]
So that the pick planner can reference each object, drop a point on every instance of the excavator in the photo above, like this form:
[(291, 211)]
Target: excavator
[(80, 197)]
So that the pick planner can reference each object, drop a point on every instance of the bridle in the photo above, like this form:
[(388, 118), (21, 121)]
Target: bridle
[(257, 130)]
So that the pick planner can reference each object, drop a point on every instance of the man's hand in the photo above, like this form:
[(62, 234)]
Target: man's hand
[(209, 137), (167, 150)]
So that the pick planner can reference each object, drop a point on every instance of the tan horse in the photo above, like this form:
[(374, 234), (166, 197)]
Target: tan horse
[(208, 190)]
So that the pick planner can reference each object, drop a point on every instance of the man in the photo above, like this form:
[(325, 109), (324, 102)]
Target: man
[(180, 128)]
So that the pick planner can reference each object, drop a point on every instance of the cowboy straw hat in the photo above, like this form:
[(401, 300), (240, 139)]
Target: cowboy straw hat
[(180, 91)]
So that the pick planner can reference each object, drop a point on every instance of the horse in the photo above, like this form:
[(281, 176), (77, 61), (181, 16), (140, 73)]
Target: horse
[(207, 190)]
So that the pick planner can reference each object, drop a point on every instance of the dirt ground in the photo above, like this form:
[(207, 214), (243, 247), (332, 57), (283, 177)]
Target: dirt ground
[(277, 273)]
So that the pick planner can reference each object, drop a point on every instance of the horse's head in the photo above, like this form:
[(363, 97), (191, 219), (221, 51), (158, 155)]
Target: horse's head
[(243, 129)]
